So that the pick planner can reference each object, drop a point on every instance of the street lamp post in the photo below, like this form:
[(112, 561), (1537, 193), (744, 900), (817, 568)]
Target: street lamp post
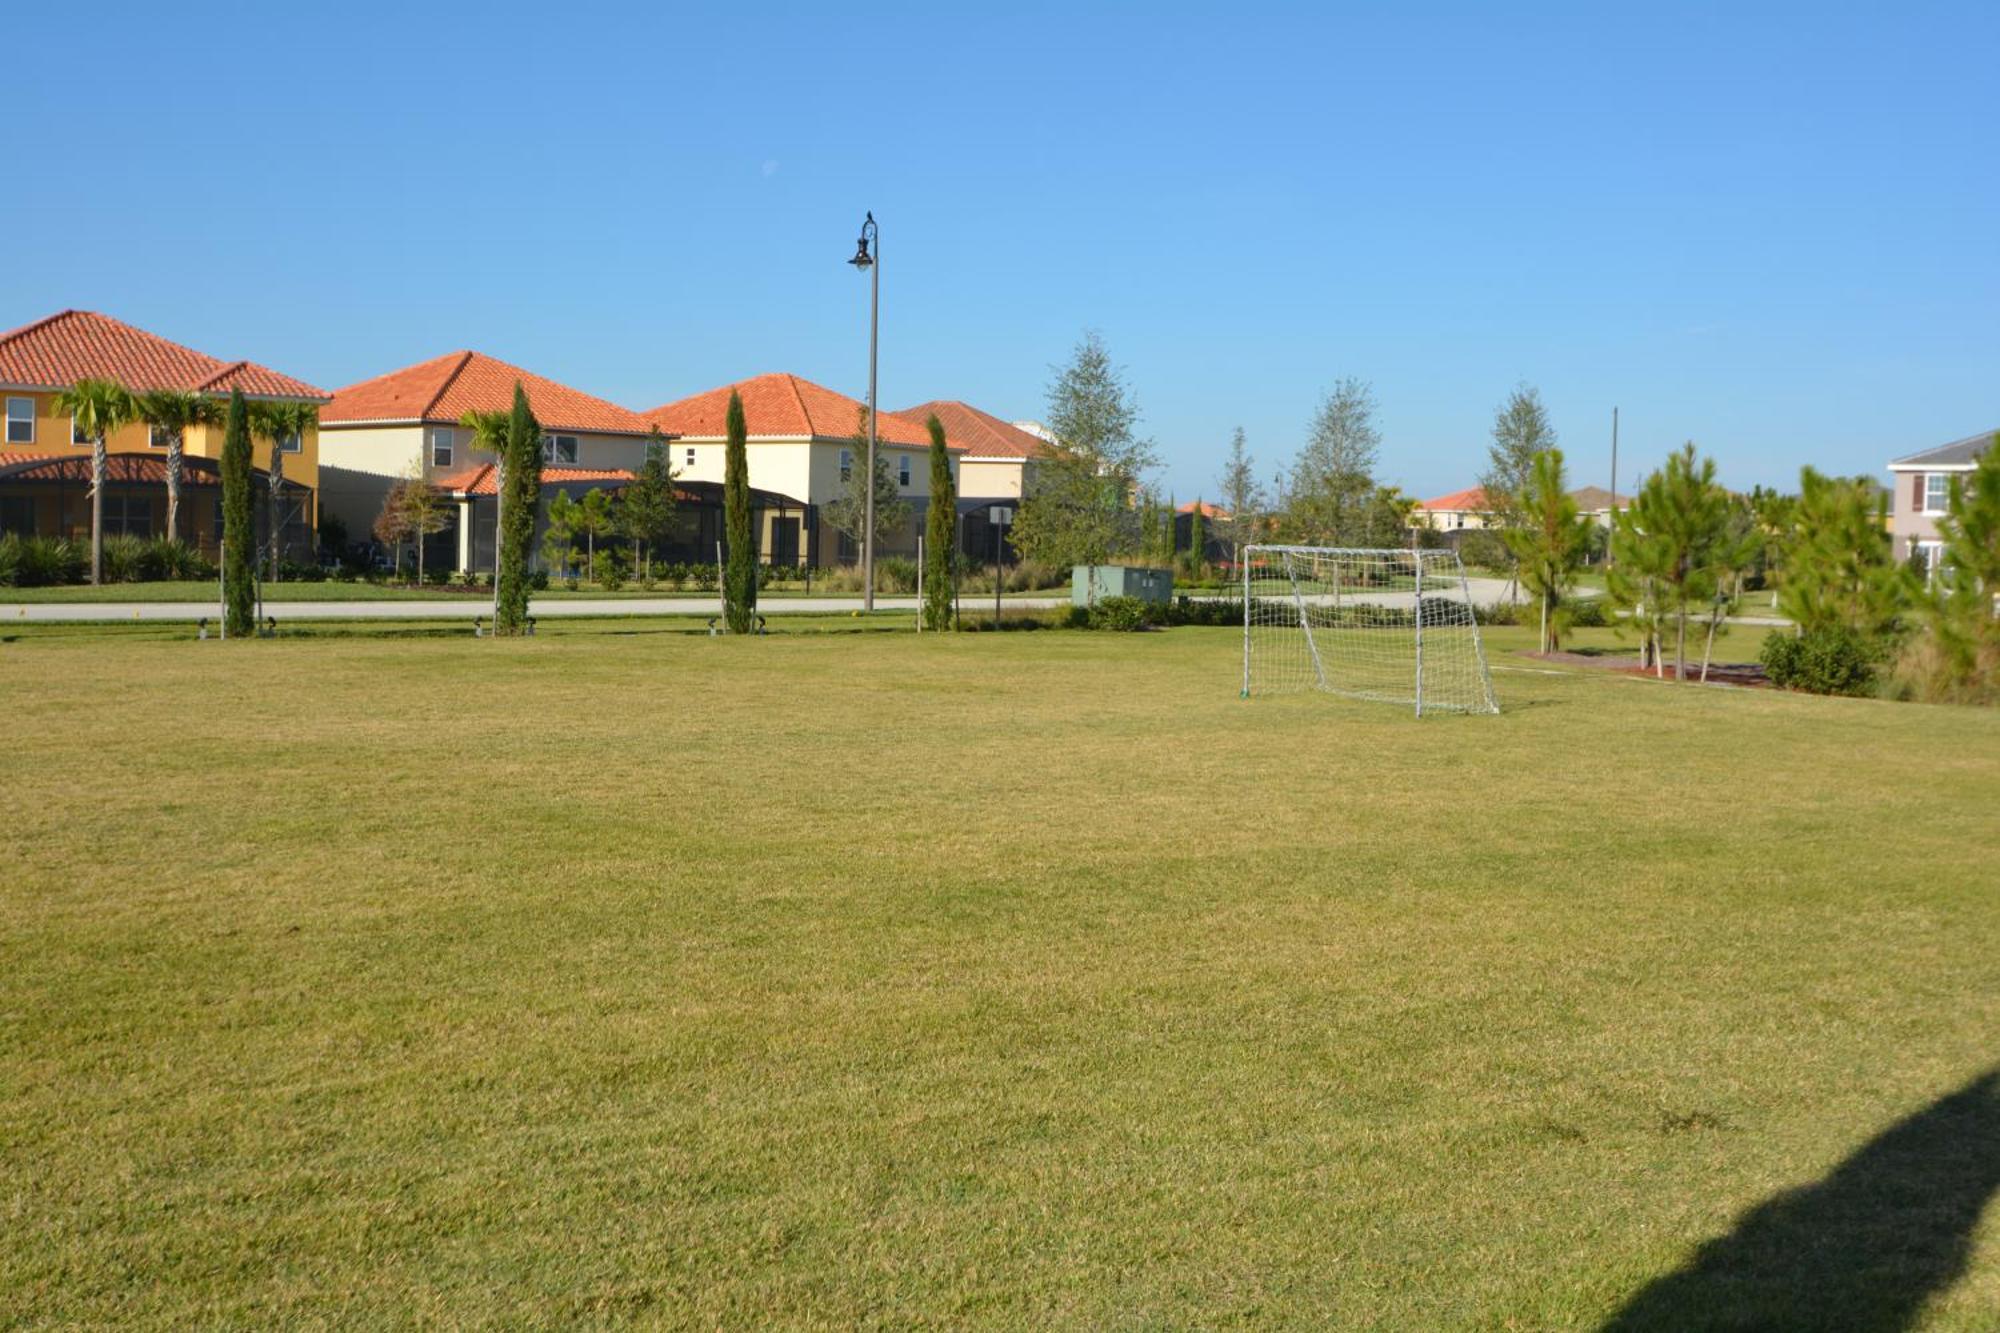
[(870, 264)]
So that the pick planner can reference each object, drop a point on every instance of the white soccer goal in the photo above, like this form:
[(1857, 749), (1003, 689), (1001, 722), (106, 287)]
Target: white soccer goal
[(1389, 625)]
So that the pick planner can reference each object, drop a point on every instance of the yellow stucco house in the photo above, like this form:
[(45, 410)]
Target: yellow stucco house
[(45, 467)]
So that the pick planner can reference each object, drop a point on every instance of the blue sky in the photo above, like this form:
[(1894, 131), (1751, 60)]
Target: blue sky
[(1771, 229)]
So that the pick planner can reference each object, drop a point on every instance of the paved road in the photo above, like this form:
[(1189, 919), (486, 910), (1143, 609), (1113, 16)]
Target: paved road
[(1484, 591)]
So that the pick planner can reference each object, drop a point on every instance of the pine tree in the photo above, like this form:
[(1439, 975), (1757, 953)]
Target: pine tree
[(1958, 609), (1521, 432), (1080, 511), (520, 503), (646, 511), (1671, 547), (940, 533), (1549, 545), (1330, 496), (1241, 495), (239, 524), (739, 586)]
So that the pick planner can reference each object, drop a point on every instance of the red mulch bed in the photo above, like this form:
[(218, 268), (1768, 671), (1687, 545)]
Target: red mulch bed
[(1747, 675)]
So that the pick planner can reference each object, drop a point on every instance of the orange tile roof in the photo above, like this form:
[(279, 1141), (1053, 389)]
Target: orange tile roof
[(1207, 510), (781, 406), (479, 480), (980, 434), (445, 388), (1472, 499), (56, 352)]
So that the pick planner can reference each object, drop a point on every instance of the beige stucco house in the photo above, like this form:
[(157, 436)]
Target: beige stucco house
[(408, 423), (800, 441)]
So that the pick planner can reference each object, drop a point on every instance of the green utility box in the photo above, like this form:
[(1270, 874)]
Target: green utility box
[(1094, 583)]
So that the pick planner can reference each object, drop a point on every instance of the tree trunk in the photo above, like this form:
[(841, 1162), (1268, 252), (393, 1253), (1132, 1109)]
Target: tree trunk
[(174, 487), (1545, 622), (1681, 647), (275, 506), (100, 467), (1708, 648)]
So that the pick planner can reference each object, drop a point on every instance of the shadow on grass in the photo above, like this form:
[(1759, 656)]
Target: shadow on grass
[(1862, 1249)]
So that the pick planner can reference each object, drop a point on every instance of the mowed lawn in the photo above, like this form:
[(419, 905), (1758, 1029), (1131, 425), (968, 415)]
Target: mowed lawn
[(988, 980)]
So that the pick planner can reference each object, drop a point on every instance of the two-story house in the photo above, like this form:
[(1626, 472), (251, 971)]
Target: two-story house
[(45, 462), (1922, 483)]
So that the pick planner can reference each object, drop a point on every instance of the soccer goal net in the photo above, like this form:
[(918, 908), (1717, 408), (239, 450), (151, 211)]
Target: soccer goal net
[(1389, 625)]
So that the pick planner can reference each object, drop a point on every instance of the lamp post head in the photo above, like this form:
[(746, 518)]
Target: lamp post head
[(862, 259)]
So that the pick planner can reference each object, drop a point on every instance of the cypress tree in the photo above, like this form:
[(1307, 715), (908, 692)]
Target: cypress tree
[(940, 528), (520, 501), (1197, 536), (239, 524), (739, 585)]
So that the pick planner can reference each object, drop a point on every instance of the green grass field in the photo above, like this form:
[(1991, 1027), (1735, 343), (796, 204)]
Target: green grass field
[(624, 974), (333, 591)]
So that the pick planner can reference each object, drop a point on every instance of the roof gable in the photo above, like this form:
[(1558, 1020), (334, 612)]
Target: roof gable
[(980, 434), (781, 406), (56, 352), (1959, 453), (1471, 499), (443, 389)]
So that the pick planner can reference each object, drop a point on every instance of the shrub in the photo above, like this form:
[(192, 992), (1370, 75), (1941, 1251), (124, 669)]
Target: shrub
[(895, 574), (168, 559), (45, 562), (125, 559), (611, 570), (1587, 612), (1123, 614), (1501, 613), (1833, 660), (539, 580), (10, 560), (1014, 619)]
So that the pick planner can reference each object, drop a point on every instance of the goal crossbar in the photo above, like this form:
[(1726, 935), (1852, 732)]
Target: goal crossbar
[(1383, 624)]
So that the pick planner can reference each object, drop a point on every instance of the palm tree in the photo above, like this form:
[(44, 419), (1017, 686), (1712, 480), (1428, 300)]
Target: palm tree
[(279, 422), (489, 435), (98, 407), (172, 412)]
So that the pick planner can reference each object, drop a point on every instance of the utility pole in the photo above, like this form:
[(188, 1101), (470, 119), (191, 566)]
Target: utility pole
[(1611, 519)]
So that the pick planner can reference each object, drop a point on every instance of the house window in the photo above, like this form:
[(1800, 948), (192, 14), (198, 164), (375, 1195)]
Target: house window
[(690, 455), (1937, 489), (290, 444), (20, 421), (442, 442), (559, 449), (846, 464), (902, 469), (76, 435), (157, 438)]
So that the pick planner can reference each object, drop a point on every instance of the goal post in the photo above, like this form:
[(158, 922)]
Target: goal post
[(1387, 624)]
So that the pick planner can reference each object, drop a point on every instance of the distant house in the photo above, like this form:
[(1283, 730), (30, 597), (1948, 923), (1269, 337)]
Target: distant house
[(45, 465), (1460, 511), (1598, 504), (1215, 544), (1922, 483), (407, 423), (802, 451), (997, 469)]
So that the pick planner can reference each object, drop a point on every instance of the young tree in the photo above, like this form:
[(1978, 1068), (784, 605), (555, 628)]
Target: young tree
[(171, 414), (1839, 566), (1241, 495), (518, 474), (646, 510), (595, 517), (425, 511), (1672, 542), (1331, 488), (97, 407), (940, 533), (1958, 609), (489, 435), (1082, 509), (739, 586), (559, 532), (392, 523), (848, 512), (1197, 538), (1521, 432), (1549, 545), (239, 523)]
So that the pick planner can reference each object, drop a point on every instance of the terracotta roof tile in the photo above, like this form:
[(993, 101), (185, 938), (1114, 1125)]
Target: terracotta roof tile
[(445, 388), (56, 352), (781, 406), (980, 434), (120, 469), (1472, 499), (479, 480)]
